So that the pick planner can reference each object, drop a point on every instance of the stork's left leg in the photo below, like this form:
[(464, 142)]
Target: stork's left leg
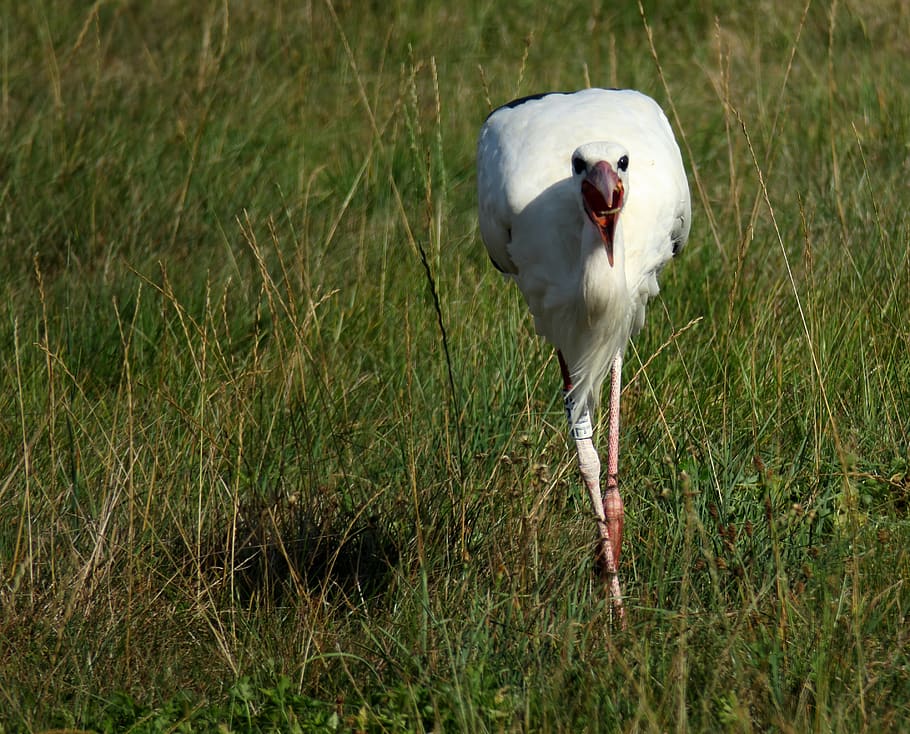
[(589, 467)]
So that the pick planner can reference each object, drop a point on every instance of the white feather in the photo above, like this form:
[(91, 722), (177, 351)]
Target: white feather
[(535, 231)]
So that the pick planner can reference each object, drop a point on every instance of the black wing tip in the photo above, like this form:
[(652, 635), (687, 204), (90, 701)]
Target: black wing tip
[(679, 235), (678, 244), (497, 265), (540, 95), (528, 98), (521, 100)]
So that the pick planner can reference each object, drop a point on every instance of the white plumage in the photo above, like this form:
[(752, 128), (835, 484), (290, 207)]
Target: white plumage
[(533, 157)]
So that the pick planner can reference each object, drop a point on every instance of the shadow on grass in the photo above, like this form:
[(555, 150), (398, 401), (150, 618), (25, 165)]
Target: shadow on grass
[(277, 549)]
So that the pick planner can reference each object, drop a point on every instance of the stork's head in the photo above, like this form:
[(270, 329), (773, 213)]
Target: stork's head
[(601, 171)]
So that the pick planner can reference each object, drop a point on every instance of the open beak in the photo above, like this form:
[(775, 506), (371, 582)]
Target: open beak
[(602, 192)]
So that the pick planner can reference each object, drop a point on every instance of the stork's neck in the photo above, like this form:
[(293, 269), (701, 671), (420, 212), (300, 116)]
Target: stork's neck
[(604, 285)]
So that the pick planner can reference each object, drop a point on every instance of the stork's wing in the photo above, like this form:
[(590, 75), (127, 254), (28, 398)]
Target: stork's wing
[(495, 214), (522, 152)]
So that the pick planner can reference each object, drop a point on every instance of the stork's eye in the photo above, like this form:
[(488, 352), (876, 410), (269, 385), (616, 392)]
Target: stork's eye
[(578, 165), (623, 163)]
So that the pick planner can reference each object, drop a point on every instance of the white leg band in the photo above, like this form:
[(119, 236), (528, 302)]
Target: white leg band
[(583, 428)]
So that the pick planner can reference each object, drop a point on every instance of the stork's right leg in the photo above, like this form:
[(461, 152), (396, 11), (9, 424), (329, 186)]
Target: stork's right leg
[(589, 466), (613, 504)]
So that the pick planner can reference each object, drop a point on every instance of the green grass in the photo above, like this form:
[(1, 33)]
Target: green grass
[(242, 483)]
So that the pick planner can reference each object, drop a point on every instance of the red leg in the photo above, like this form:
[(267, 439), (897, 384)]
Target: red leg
[(613, 505)]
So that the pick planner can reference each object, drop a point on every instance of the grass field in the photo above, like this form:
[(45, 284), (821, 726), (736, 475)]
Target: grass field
[(280, 450)]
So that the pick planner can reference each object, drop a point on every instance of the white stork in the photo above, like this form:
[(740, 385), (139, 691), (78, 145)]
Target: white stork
[(583, 199)]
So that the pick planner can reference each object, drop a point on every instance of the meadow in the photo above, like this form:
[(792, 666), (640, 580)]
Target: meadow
[(280, 450)]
